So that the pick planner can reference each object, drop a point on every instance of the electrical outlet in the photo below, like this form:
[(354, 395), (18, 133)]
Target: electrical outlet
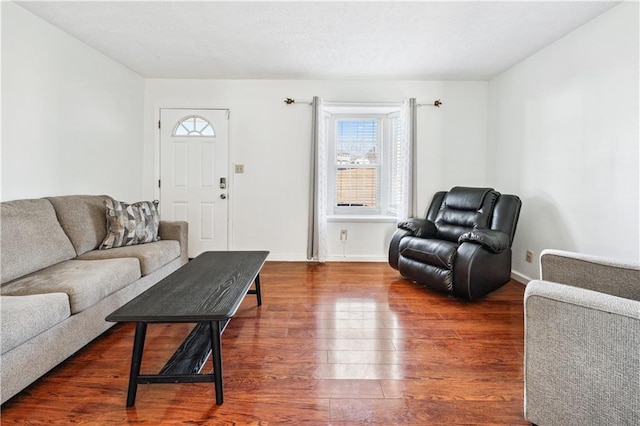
[(239, 168), (343, 235), (528, 256)]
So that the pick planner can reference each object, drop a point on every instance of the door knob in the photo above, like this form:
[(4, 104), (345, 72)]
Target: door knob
[(223, 196)]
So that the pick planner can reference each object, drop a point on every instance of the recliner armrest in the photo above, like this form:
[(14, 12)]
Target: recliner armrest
[(494, 241), (419, 227)]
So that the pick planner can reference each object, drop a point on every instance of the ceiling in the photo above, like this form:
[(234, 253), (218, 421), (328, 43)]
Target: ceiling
[(420, 40)]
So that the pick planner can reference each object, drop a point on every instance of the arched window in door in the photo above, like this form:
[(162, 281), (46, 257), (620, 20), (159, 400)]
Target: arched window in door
[(195, 126)]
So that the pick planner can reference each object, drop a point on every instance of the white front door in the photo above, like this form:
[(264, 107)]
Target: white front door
[(194, 150)]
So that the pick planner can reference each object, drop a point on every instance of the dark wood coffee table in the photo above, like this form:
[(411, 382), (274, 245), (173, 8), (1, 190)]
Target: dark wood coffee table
[(206, 291)]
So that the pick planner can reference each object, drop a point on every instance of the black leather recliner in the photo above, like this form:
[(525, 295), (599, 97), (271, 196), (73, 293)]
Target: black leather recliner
[(463, 246)]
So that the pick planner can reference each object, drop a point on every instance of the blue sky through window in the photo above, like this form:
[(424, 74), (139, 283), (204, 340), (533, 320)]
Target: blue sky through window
[(357, 141)]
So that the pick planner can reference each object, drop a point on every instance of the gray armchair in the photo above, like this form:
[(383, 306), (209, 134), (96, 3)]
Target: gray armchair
[(582, 342)]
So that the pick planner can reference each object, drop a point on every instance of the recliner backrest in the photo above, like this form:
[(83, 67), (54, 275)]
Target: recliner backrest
[(461, 210), (505, 215)]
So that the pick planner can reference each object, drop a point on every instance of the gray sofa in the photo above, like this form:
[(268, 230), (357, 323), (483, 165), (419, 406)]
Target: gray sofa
[(57, 287), (582, 341)]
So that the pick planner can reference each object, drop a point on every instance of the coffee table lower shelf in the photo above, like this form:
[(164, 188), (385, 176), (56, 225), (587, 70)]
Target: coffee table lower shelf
[(186, 363)]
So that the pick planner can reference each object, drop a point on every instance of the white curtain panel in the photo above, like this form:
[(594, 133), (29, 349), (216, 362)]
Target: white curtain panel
[(317, 239), (407, 201)]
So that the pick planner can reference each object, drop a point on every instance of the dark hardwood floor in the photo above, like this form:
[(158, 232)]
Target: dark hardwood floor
[(339, 343)]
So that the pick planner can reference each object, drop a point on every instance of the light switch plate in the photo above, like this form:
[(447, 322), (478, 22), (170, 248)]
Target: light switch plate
[(239, 168)]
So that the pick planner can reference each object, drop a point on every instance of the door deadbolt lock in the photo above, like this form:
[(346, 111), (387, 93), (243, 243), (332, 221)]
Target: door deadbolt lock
[(223, 196), (223, 183)]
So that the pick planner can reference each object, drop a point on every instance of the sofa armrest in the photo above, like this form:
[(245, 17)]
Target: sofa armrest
[(178, 231), (581, 356), (618, 278), (494, 241), (419, 227)]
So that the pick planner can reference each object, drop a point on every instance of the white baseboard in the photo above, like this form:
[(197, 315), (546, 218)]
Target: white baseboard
[(357, 259), (297, 258), (522, 278), (286, 258)]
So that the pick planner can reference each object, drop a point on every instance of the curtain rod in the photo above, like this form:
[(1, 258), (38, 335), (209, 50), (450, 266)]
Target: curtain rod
[(290, 101)]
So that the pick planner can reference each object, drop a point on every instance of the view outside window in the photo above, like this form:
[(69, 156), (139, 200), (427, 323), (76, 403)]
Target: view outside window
[(357, 163)]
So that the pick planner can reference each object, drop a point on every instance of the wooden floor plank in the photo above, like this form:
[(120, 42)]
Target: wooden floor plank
[(338, 343)]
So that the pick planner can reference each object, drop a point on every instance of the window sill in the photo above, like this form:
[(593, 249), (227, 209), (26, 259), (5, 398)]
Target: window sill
[(362, 218)]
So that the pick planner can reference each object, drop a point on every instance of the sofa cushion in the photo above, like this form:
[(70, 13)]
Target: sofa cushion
[(24, 317), (32, 238), (86, 282), (152, 256), (129, 224), (83, 218)]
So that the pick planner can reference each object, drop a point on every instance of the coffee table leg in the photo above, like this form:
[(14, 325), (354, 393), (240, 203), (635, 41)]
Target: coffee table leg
[(258, 294), (136, 361), (216, 357)]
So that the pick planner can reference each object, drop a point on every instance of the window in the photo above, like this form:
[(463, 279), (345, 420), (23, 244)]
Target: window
[(363, 175), (357, 165), (194, 126)]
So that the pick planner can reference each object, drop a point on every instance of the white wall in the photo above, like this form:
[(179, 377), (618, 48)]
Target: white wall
[(563, 135), (269, 202), (71, 117), (561, 131)]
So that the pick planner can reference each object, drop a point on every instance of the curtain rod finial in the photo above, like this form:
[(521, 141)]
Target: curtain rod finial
[(289, 101), (437, 103)]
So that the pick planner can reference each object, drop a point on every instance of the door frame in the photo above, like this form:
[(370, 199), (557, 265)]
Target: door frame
[(156, 158)]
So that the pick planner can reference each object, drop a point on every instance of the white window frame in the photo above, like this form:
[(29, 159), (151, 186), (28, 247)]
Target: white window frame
[(386, 138), (393, 118)]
